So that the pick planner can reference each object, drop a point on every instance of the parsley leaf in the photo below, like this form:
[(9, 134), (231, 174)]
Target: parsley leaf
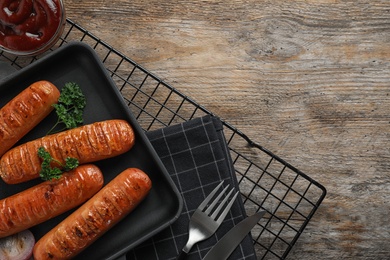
[(70, 107), (70, 163), (48, 172)]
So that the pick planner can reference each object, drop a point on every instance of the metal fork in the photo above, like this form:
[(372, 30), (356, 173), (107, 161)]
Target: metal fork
[(204, 222)]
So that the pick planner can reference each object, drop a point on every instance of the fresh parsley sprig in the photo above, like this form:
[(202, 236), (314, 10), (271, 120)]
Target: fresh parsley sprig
[(70, 107), (48, 172)]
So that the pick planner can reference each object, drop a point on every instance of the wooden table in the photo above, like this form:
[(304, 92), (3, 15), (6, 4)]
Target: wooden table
[(309, 80)]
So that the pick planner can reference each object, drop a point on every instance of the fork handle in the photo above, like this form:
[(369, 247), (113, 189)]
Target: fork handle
[(182, 255)]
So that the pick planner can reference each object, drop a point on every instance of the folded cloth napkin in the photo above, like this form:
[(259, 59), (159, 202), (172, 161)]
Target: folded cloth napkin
[(196, 156)]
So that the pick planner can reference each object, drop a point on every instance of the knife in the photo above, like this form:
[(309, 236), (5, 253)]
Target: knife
[(226, 245)]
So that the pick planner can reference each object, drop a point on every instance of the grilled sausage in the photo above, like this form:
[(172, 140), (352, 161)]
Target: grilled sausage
[(87, 143), (89, 222), (48, 199), (25, 111)]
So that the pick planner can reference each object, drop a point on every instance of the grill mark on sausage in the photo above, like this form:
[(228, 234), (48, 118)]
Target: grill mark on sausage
[(75, 141)]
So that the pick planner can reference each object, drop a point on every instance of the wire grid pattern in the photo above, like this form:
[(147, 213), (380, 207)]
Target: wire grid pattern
[(266, 181)]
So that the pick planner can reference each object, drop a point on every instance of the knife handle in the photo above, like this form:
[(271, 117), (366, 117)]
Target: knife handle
[(182, 255)]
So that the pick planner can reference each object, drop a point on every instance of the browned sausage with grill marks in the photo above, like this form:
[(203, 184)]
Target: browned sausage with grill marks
[(95, 217), (25, 111), (89, 143), (49, 199)]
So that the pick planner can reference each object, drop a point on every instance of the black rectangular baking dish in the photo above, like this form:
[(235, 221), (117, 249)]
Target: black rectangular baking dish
[(77, 62)]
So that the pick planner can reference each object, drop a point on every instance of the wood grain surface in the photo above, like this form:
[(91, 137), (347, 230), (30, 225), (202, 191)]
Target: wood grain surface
[(309, 80)]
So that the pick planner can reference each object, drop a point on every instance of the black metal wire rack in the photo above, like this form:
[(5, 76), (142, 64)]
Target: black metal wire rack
[(266, 181)]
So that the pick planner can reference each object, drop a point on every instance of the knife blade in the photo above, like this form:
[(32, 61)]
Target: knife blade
[(226, 245)]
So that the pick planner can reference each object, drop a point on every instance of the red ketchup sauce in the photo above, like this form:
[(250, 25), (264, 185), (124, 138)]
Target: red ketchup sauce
[(27, 25)]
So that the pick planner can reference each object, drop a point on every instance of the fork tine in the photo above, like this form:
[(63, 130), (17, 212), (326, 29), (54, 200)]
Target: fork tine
[(215, 201), (222, 204), (208, 198), (215, 213), (224, 213)]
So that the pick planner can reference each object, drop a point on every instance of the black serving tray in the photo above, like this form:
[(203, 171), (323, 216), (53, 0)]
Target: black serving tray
[(77, 62)]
